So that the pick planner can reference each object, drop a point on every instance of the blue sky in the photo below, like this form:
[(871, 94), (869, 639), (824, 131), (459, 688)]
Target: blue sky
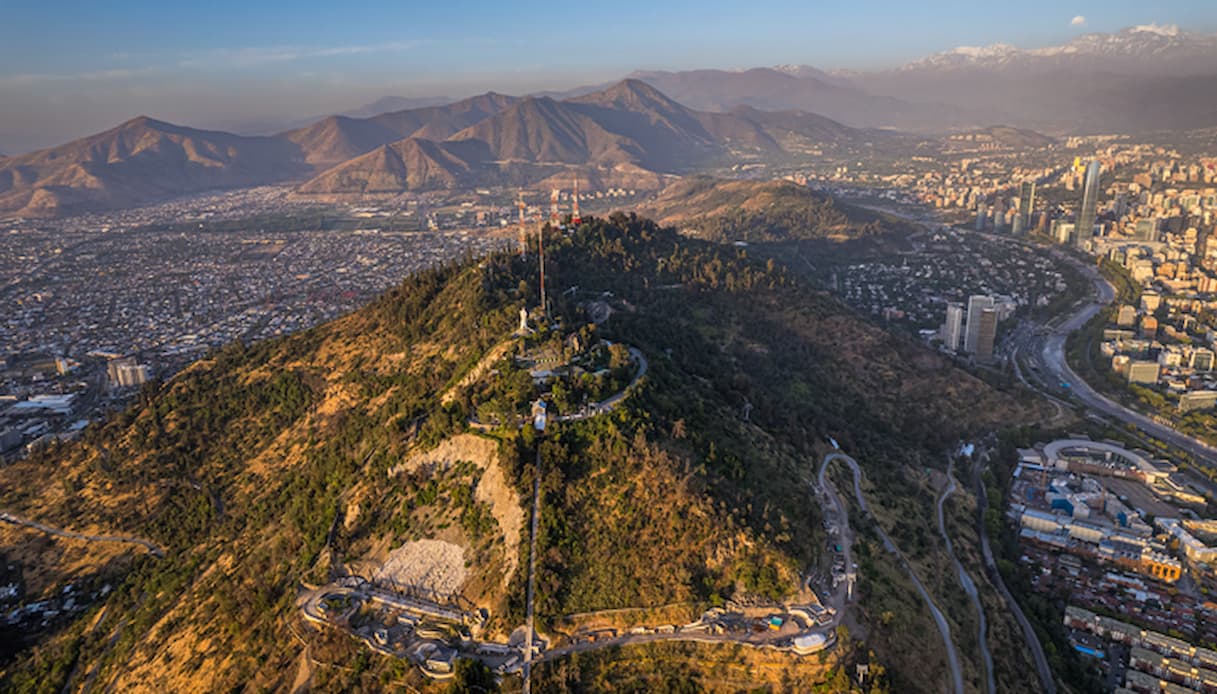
[(68, 68)]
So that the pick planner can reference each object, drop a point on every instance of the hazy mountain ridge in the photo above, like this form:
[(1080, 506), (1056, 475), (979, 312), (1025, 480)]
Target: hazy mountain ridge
[(1160, 77), (337, 139), (143, 159), (654, 124), (388, 104), (773, 90), (627, 134), (1004, 136)]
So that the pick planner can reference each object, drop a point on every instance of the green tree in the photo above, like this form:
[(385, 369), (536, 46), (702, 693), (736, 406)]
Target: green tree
[(472, 677)]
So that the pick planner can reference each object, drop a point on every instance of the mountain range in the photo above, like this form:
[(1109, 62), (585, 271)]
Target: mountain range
[(140, 161), (629, 134), (653, 124)]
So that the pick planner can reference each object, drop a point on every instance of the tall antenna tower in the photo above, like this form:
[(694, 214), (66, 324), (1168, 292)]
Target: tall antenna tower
[(521, 206), (575, 219), (541, 254)]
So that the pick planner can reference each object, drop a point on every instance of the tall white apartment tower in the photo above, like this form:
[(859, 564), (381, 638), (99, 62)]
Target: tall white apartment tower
[(977, 303)]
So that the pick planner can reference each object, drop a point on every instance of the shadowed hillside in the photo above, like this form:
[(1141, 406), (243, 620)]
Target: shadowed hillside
[(304, 458)]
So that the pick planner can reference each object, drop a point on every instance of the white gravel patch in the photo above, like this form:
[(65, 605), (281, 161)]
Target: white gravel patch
[(433, 565)]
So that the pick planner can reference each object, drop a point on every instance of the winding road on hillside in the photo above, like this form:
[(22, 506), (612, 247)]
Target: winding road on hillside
[(1042, 668), (152, 548), (940, 621), (965, 580)]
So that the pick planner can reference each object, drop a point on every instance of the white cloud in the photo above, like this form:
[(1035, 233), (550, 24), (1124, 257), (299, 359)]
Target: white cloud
[(32, 78), (1078, 21), (260, 55)]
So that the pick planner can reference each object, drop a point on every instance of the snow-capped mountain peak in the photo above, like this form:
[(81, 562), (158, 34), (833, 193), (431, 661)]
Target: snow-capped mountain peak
[(1170, 30), (1164, 45)]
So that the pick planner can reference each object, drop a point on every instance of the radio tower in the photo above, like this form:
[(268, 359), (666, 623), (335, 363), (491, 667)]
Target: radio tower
[(575, 219), (521, 206), (541, 255)]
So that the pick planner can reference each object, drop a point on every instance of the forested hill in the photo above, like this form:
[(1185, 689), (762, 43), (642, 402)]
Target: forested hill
[(265, 467)]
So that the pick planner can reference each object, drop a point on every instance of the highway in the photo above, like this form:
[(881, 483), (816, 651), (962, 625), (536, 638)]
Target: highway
[(1045, 353), (940, 621)]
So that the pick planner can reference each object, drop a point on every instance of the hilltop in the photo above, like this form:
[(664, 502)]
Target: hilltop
[(351, 448), (753, 211)]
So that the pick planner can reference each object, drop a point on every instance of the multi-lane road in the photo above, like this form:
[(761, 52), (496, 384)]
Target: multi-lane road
[(1043, 350)]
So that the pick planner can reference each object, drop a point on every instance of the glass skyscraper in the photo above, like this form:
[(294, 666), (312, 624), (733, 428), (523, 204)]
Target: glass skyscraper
[(1090, 204)]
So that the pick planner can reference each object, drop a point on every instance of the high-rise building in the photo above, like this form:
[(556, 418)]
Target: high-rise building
[(952, 330), (1147, 229), (1090, 204), (976, 306), (981, 212), (986, 333), (125, 372), (1026, 202)]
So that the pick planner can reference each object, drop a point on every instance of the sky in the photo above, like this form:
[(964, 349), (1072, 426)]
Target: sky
[(71, 68)]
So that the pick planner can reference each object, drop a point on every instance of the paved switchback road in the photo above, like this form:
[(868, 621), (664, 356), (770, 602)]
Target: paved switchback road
[(1033, 642), (965, 580), (940, 621)]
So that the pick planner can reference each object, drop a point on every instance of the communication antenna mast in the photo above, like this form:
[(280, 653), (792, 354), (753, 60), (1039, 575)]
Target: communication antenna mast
[(541, 254), (575, 219), (521, 206)]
